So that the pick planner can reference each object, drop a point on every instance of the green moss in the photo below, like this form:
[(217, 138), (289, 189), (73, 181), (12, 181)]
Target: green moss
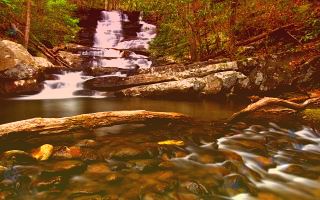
[(312, 115)]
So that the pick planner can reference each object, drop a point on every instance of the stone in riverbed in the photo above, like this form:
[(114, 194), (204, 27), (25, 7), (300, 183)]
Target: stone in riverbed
[(146, 165), (98, 168), (196, 188), (64, 168), (127, 153), (51, 183), (113, 178), (235, 184), (18, 157)]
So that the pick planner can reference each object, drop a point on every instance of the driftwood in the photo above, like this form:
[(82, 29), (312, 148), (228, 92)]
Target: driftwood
[(85, 121), (269, 101)]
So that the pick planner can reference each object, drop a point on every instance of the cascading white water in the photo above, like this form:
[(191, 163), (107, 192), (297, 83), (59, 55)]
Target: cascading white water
[(109, 46), (109, 30)]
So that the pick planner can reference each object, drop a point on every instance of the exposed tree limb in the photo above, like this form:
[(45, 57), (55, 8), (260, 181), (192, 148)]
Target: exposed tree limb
[(86, 121), (265, 34), (269, 101)]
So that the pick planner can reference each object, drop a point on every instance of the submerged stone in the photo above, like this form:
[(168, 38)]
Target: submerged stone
[(64, 168)]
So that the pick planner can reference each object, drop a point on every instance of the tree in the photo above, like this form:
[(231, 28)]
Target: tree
[(28, 21)]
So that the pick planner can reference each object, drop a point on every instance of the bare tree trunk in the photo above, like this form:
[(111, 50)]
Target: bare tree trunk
[(28, 22), (232, 23)]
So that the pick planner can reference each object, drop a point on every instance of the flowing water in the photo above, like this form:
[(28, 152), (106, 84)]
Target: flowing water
[(159, 160)]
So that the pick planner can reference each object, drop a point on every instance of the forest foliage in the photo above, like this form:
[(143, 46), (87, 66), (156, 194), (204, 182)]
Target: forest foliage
[(187, 29), (52, 21)]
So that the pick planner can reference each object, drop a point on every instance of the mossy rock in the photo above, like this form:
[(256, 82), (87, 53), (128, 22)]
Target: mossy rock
[(312, 116)]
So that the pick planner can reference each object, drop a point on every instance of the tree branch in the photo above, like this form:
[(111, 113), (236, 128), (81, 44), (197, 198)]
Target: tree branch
[(269, 101)]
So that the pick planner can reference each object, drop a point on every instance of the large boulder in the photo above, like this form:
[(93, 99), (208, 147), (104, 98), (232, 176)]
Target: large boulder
[(14, 55), (20, 72)]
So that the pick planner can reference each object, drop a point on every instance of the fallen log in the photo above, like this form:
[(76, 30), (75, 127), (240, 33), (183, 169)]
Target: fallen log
[(269, 101), (266, 34), (85, 121)]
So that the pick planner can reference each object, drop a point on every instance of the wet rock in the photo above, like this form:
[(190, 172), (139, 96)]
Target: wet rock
[(100, 71), (98, 168), (88, 143), (300, 170), (89, 155), (264, 162), (152, 196), (113, 178), (49, 184), (65, 153), (196, 188), (18, 87), (163, 187), (2, 171), (17, 157), (167, 165), (235, 184), (145, 165), (126, 153), (64, 168), (87, 195)]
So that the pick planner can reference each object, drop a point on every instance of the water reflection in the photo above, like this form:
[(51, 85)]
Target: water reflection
[(13, 110)]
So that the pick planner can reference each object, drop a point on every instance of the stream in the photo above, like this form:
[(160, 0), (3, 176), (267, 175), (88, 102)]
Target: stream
[(157, 160)]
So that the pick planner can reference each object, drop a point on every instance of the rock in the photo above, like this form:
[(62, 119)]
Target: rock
[(74, 60), (14, 55), (86, 196), (64, 168), (51, 183), (145, 165), (190, 86), (113, 178), (126, 153), (30, 86), (235, 184), (20, 73), (88, 143), (98, 168), (163, 76), (64, 153), (231, 79), (196, 188), (18, 157), (43, 63), (88, 155), (100, 71), (43, 153)]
